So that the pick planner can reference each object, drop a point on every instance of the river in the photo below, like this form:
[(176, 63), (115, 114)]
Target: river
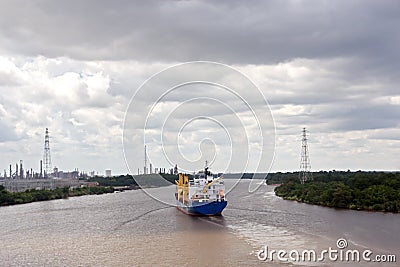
[(133, 229)]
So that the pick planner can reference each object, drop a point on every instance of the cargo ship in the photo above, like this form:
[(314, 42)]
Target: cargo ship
[(204, 195)]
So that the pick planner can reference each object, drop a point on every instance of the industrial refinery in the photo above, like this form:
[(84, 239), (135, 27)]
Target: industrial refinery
[(45, 177)]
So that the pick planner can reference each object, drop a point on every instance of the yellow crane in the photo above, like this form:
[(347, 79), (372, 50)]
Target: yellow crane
[(182, 185)]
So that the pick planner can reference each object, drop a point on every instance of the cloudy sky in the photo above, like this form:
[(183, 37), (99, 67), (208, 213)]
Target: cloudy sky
[(74, 67)]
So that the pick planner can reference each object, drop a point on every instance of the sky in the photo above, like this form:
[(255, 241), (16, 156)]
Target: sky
[(83, 69)]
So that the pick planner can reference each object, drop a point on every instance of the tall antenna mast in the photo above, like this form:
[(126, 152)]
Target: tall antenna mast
[(305, 165), (145, 159), (46, 155)]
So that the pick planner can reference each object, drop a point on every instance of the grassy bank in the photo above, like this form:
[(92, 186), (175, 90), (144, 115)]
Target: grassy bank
[(14, 198), (374, 191)]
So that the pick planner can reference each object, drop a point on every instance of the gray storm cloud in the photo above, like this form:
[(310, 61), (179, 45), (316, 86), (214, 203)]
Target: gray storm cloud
[(73, 66), (259, 32)]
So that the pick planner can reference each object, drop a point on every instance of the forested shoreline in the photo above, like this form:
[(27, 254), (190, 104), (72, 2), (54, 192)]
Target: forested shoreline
[(13, 198), (373, 191)]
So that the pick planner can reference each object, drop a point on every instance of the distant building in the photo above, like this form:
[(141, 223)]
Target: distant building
[(108, 173), (67, 175), (91, 174)]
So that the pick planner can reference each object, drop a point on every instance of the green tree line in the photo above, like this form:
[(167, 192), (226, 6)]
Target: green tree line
[(122, 180), (33, 195), (377, 191), (129, 180)]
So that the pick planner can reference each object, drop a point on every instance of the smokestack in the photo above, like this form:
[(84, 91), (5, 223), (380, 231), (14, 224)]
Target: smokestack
[(41, 169), (21, 170)]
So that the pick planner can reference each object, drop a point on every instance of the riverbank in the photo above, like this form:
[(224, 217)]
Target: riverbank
[(104, 185), (358, 191), (14, 198), (133, 229)]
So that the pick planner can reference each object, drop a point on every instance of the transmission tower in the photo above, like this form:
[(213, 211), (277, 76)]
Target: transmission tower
[(305, 165), (46, 155)]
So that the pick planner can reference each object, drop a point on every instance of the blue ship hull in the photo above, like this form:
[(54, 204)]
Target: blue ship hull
[(203, 209)]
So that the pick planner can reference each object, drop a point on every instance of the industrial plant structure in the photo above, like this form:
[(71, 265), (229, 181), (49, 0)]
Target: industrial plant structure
[(20, 179)]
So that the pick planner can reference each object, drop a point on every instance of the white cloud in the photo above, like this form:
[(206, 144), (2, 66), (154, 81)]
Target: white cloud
[(75, 72), (78, 102)]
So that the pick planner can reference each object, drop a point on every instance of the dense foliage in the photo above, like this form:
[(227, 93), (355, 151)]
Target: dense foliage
[(171, 177), (377, 191), (122, 180), (129, 180), (281, 177), (10, 198)]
